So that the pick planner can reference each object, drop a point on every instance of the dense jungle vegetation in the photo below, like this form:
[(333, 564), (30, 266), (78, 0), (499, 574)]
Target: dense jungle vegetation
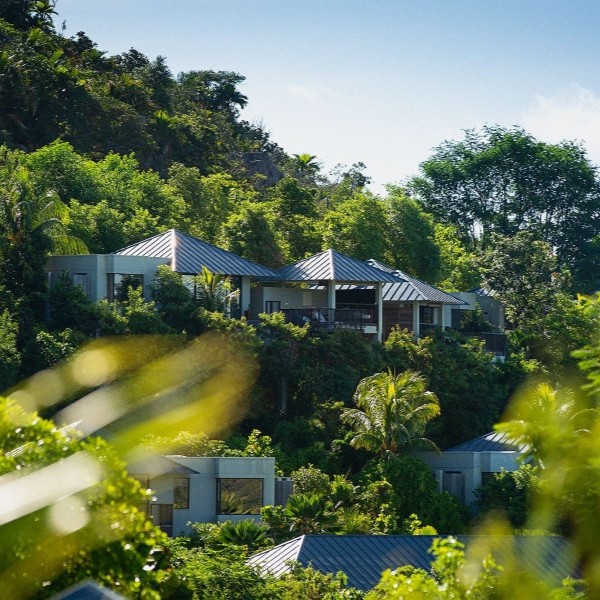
[(101, 151)]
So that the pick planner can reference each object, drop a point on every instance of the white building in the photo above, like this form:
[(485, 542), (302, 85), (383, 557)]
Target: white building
[(205, 489)]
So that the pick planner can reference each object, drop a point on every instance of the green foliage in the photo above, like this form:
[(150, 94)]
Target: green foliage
[(310, 480), (504, 181), (175, 302), (413, 246), (218, 575), (460, 269), (112, 542), (310, 513), (455, 576), (393, 490), (214, 292), (471, 387), (250, 232), (357, 227), (392, 414), (510, 492), (246, 533), (10, 357)]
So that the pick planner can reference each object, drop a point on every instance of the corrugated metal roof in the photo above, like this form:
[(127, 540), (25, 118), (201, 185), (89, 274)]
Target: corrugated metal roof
[(330, 265), (490, 442), (411, 289), (189, 254), (364, 557)]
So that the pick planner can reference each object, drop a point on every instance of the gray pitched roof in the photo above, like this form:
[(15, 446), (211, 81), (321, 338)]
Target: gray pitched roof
[(189, 254), (330, 265), (411, 289), (490, 442), (364, 557)]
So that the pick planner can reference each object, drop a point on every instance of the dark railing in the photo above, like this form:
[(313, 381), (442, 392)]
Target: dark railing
[(494, 342), (323, 319)]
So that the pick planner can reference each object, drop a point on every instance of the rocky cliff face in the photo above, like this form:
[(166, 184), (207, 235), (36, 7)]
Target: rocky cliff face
[(261, 168)]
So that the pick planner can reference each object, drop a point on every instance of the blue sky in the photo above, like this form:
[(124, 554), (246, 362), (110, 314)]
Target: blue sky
[(379, 81)]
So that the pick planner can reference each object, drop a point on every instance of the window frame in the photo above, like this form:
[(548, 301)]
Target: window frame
[(249, 508)]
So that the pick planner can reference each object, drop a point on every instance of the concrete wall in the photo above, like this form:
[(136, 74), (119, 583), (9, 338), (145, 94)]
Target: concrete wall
[(96, 267), (471, 464), (493, 311), (203, 487), (288, 296)]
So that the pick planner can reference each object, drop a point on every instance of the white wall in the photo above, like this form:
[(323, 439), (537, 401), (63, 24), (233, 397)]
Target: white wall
[(203, 487), (472, 465), (288, 296), (97, 266)]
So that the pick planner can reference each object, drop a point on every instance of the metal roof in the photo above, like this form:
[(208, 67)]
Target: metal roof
[(154, 465), (364, 557), (490, 442), (330, 265), (411, 289), (189, 254)]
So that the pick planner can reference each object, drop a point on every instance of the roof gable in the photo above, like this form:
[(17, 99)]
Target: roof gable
[(331, 265), (411, 289), (189, 254)]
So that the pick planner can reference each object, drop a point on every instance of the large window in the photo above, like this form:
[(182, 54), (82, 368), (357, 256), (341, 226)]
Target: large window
[(454, 483), (81, 280), (181, 492), (118, 284), (239, 496)]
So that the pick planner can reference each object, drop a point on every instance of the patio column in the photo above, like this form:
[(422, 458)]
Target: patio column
[(244, 294), (331, 294), (442, 317), (416, 328), (379, 312)]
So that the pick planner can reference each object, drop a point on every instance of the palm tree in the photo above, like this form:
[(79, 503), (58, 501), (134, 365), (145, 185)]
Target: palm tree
[(310, 513), (392, 414), (246, 533), (305, 166), (31, 226), (214, 292)]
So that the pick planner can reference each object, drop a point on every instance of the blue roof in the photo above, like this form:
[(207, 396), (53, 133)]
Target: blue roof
[(490, 442), (331, 265), (188, 255), (364, 557)]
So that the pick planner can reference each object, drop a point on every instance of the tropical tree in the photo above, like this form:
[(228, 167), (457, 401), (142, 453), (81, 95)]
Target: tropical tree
[(414, 248), (393, 413), (246, 533), (310, 513), (305, 167), (31, 226), (214, 291), (504, 180)]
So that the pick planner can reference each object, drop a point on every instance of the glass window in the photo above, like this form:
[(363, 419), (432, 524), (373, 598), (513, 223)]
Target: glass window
[(81, 280), (239, 496), (118, 284), (426, 315), (181, 492), (454, 483)]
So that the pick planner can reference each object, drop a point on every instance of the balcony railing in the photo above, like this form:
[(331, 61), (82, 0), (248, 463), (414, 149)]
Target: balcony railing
[(357, 317), (494, 342)]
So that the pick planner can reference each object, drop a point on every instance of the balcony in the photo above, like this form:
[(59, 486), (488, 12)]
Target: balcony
[(356, 317), (495, 343)]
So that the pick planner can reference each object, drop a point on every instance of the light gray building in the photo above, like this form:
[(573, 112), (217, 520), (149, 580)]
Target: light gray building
[(463, 468), (205, 489)]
